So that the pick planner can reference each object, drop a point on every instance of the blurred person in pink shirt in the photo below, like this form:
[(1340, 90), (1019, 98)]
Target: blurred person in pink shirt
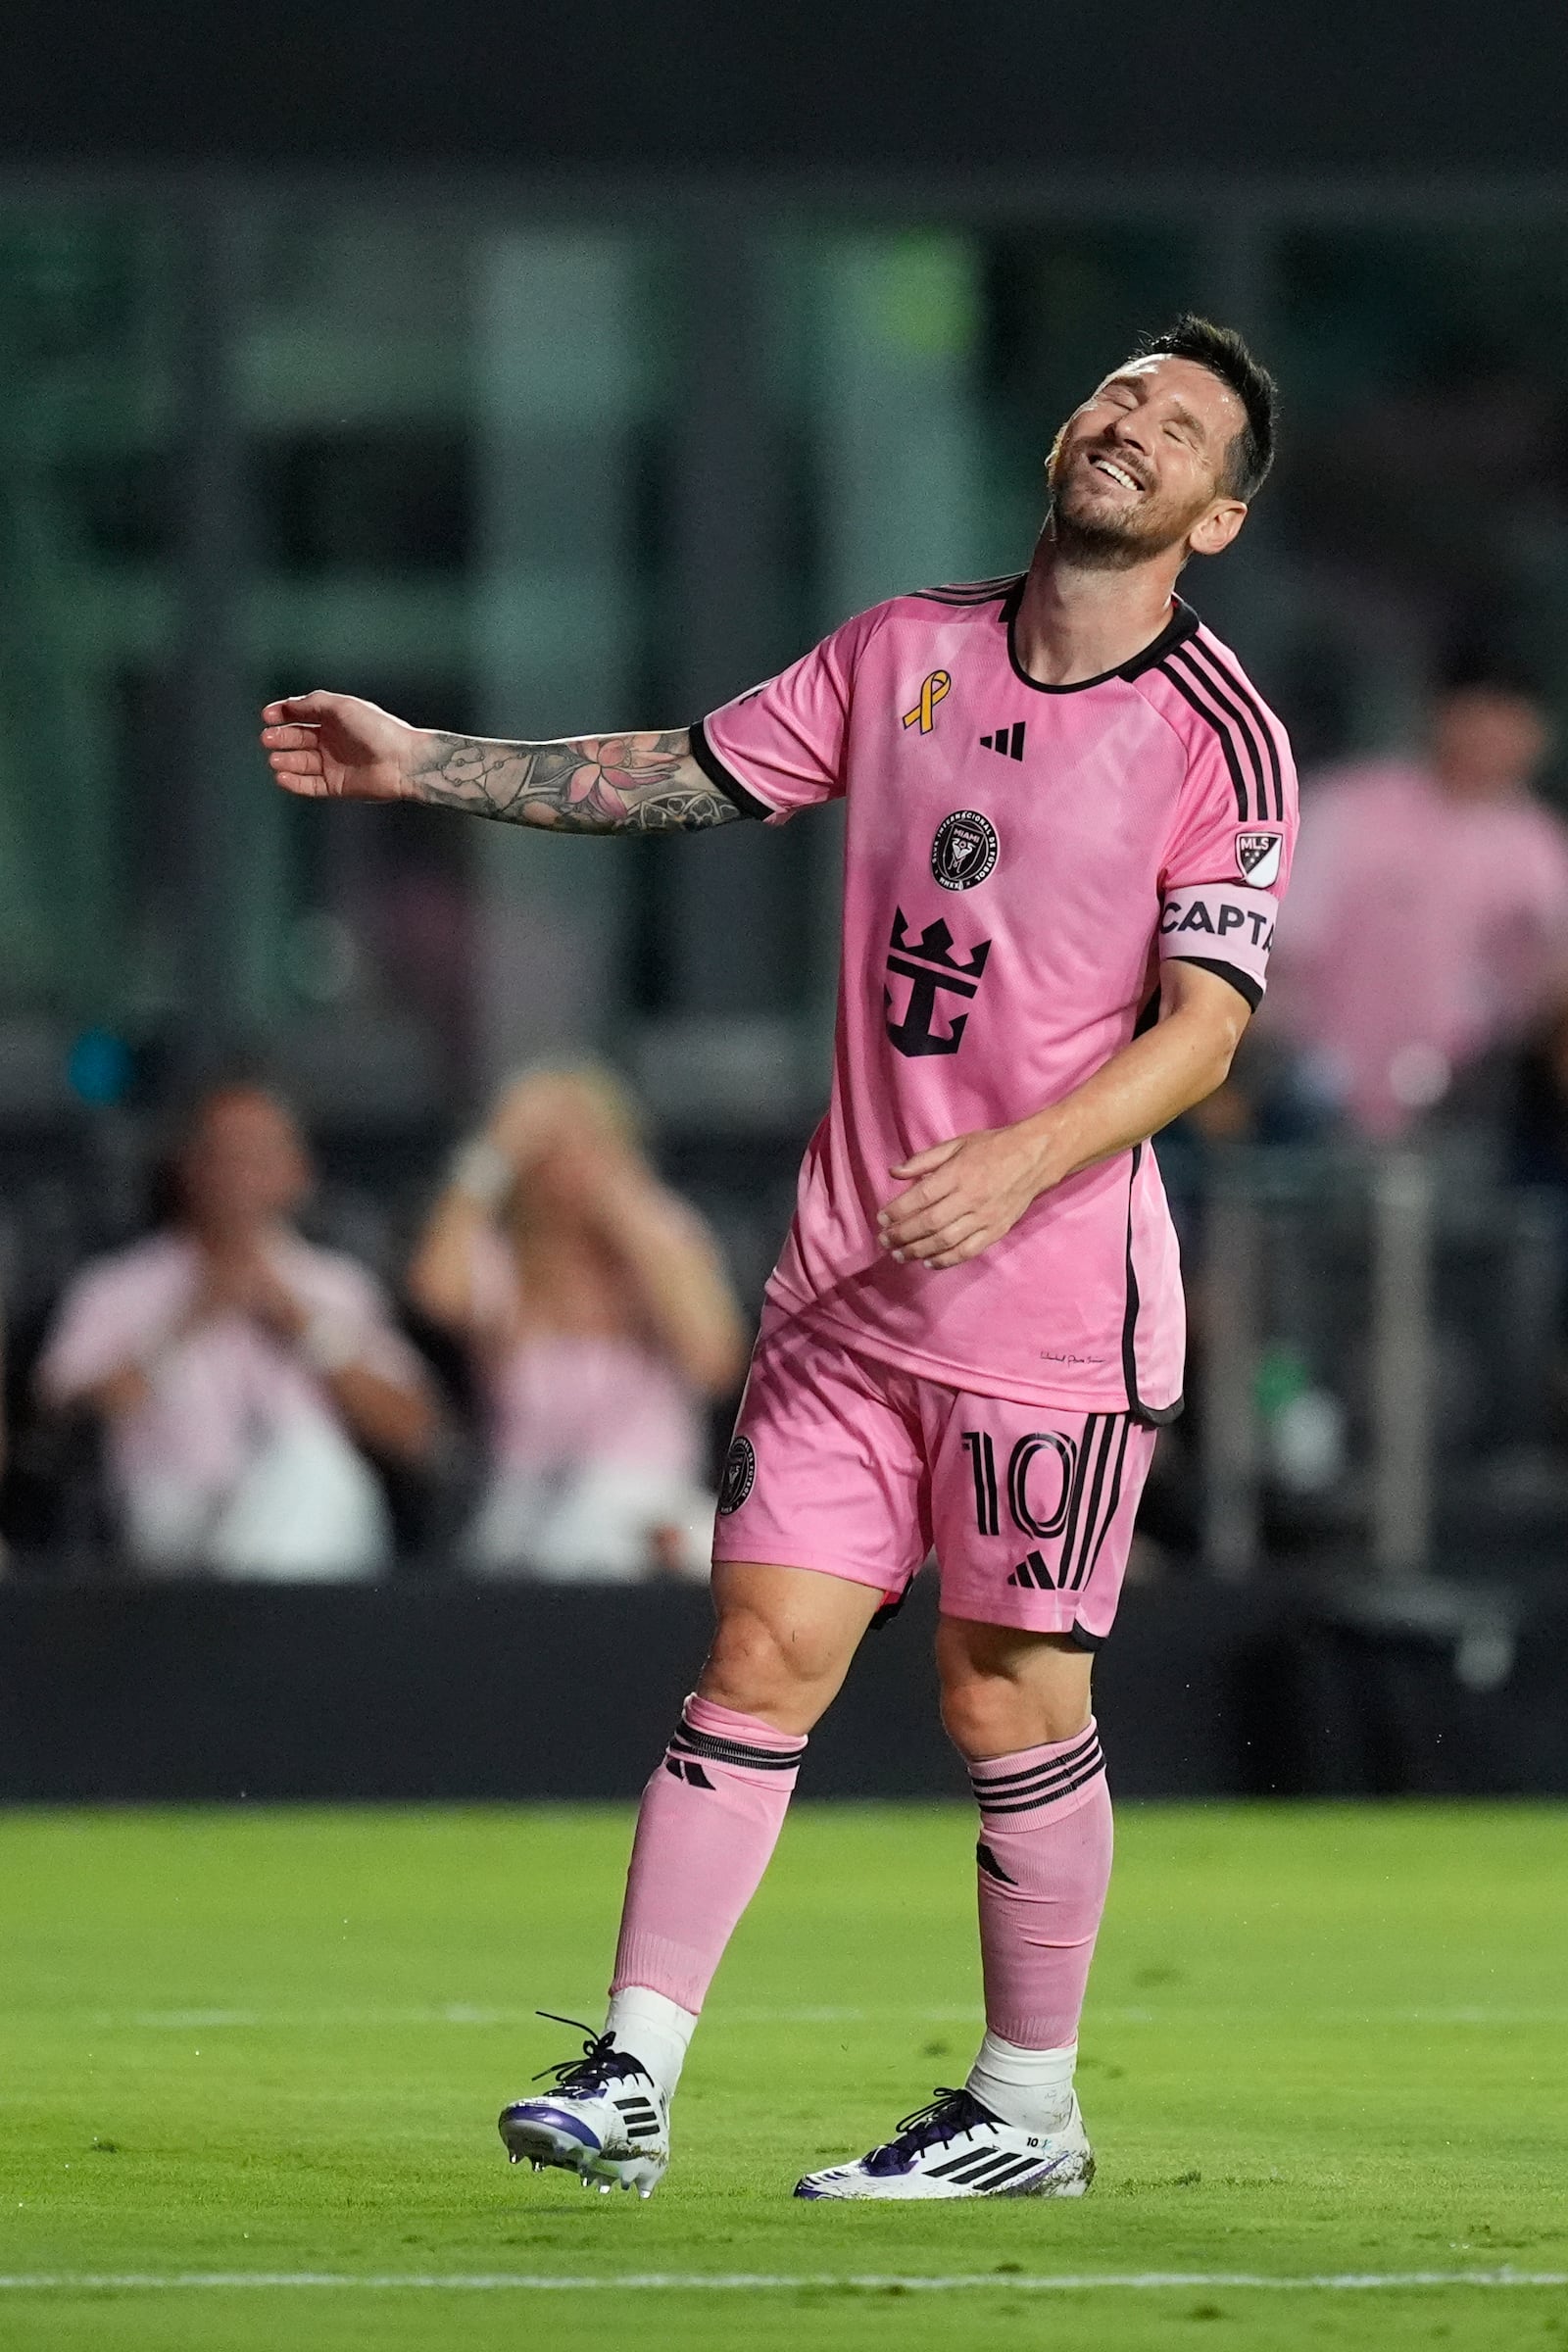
[(601, 1323), (1429, 909), (242, 1374)]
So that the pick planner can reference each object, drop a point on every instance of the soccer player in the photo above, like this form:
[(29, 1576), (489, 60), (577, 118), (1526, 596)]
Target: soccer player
[(1069, 825)]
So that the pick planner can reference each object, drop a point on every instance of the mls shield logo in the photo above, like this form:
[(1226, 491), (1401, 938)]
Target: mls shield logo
[(740, 1470), (1258, 858), (964, 849)]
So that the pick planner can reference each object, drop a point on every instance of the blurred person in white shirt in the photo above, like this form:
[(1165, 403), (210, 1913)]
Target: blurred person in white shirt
[(242, 1375), (600, 1323)]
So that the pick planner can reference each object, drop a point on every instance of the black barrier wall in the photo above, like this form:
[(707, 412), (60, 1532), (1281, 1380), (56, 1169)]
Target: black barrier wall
[(206, 1693)]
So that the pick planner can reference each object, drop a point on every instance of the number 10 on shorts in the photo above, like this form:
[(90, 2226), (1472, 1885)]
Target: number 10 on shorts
[(1062, 1457)]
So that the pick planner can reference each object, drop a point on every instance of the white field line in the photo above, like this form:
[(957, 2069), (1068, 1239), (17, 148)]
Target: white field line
[(458, 2013), (751, 2282)]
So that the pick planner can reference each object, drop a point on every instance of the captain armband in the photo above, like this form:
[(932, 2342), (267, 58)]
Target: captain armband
[(1225, 928)]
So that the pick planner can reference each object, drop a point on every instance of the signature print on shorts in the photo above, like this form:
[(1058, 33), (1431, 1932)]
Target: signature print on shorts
[(740, 1469), (964, 850)]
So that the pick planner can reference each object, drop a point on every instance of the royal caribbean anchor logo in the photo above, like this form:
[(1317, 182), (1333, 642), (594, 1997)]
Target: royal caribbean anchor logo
[(932, 969)]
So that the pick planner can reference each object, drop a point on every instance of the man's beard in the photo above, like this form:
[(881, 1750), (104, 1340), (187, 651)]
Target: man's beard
[(1113, 542)]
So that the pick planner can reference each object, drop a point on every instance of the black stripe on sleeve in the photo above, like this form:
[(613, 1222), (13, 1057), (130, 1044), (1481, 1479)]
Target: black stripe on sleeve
[(1197, 650), (719, 775), (1244, 725), (1243, 982), (1168, 669)]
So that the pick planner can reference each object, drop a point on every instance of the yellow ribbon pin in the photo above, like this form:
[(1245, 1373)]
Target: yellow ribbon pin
[(932, 689)]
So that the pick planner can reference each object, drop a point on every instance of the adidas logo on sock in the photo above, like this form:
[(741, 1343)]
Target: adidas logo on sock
[(685, 1770), (991, 1866), (1006, 740)]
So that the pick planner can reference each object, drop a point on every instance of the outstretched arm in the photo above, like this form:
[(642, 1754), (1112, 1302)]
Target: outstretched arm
[(336, 747)]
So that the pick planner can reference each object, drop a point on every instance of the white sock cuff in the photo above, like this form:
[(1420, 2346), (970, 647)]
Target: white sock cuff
[(1031, 2088), (654, 2028), (1010, 2062)]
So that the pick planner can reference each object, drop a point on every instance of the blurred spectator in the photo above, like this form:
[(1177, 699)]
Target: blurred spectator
[(1539, 1153), (1429, 909), (600, 1320), (241, 1373)]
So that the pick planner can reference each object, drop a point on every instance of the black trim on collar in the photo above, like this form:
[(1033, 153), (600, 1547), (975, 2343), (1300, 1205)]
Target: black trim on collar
[(719, 775), (1182, 624), (973, 592)]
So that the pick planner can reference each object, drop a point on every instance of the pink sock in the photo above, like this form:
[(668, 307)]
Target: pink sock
[(709, 1820), (1045, 1864)]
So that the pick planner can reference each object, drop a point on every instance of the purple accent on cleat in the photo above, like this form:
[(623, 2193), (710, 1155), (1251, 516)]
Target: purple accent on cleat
[(950, 2114), (535, 2111)]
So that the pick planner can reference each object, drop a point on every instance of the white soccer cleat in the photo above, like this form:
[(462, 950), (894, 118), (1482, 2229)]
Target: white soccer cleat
[(606, 2120), (958, 2148)]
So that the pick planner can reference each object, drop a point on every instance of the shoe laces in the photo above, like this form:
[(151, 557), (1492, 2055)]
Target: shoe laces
[(600, 2065), (946, 2116)]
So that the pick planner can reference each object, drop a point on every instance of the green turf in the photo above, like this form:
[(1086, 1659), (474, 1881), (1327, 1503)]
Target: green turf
[(1319, 2041)]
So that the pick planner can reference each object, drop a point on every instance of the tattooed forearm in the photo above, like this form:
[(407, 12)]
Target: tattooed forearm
[(595, 784)]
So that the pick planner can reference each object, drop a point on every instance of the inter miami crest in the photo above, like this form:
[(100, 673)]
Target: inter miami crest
[(964, 850), (1258, 858), (740, 1469)]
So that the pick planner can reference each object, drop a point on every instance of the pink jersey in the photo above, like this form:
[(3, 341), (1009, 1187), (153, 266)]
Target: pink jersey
[(1018, 857), (1425, 928), (568, 1400)]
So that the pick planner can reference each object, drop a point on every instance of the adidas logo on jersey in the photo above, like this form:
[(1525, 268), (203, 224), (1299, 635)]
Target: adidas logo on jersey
[(1006, 740)]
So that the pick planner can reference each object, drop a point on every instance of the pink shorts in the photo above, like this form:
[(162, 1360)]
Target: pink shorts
[(855, 1469)]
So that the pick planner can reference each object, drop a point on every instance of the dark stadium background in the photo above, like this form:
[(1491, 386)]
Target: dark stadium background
[(201, 209)]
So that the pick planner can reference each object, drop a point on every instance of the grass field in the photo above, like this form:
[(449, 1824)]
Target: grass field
[(1320, 2041)]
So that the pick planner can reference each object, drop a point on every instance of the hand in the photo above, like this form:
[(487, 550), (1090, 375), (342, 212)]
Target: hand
[(333, 747), (962, 1196), (527, 1119), (244, 1282), (273, 1304)]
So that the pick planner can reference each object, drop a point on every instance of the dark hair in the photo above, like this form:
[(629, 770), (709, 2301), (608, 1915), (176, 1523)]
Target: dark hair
[(1222, 352), (1479, 665)]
